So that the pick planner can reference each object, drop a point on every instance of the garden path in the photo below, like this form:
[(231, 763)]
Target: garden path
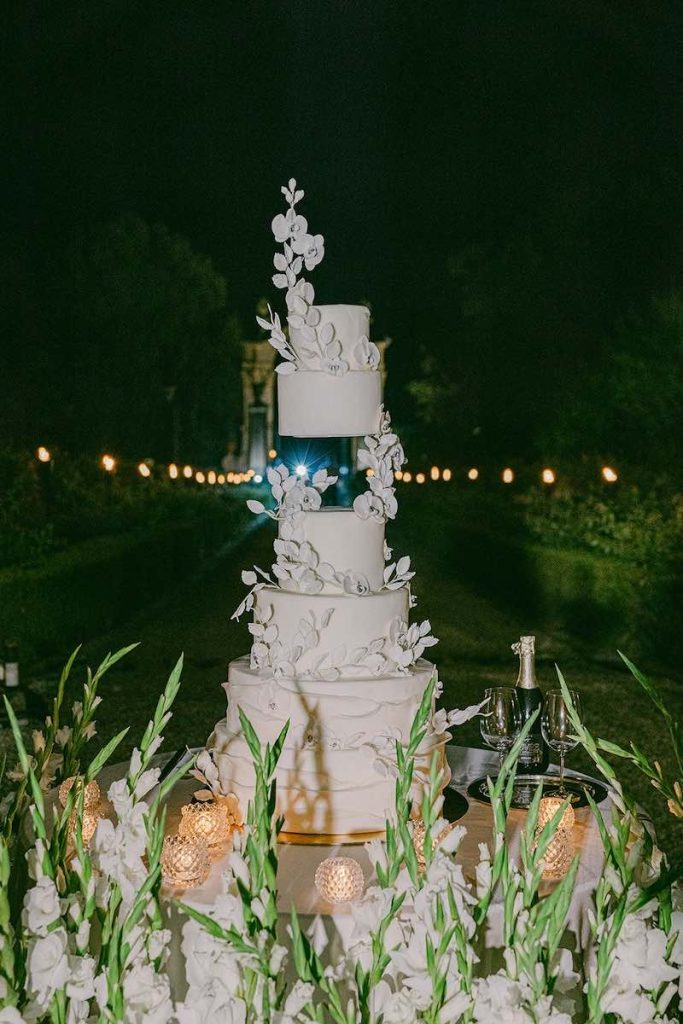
[(475, 630)]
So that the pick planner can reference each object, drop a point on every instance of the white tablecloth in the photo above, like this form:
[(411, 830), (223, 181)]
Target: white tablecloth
[(297, 865)]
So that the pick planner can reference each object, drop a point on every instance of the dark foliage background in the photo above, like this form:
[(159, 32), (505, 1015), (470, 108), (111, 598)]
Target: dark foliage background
[(502, 181)]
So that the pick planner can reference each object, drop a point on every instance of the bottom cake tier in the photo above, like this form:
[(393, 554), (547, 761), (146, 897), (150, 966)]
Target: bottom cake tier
[(336, 774)]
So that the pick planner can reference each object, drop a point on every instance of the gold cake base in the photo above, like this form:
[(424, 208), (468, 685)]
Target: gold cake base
[(320, 839)]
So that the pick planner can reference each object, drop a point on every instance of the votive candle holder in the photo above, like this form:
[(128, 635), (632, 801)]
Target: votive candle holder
[(418, 832), (88, 826), (560, 850), (185, 861), (206, 820), (91, 797), (339, 879), (548, 808)]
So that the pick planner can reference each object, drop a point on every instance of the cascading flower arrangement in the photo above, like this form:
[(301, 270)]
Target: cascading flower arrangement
[(85, 938)]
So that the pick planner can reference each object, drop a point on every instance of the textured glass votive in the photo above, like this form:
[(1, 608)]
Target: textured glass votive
[(558, 856), (418, 832), (92, 795), (560, 851), (185, 861), (339, 879), (89, 825), (206, 820), (549, 807)]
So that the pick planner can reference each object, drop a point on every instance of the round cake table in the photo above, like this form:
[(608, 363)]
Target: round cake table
[(298, 863)]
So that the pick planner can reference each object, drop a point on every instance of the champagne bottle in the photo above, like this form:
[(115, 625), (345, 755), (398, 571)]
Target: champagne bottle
[(534, 755)]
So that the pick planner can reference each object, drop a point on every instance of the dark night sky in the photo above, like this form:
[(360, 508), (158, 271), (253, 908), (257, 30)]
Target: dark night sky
[(416, 129)]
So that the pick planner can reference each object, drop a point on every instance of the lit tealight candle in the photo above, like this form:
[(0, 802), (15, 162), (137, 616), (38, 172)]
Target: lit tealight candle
[(185, 861), (91, 797), (206, 820), (339, 879)]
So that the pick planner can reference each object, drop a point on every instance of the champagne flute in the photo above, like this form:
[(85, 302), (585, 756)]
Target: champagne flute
[(501, 719), (556, 726)]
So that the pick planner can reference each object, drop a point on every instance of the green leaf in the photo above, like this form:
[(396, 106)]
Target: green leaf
[(103, 755), (213, 928), (112, 659), (250, 736)]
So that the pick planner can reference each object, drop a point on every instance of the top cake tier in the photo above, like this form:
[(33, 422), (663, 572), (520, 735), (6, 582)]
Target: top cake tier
[(337, 389)]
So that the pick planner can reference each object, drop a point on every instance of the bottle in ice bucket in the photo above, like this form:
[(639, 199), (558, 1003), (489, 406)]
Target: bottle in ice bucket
[(534, 755)]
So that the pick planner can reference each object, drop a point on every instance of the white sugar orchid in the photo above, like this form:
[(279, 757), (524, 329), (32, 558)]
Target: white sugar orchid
[(382, 455), (289, 226), (356, 583), (299, 248), (366, 354), (311, 247)]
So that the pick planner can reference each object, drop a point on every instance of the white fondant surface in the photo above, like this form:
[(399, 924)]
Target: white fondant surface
[(355, 621), (350, 323), (328, 779), (347, 542), (315, 404)]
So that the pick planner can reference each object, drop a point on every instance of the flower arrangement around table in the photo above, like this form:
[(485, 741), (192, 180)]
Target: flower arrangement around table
[(85, 938)]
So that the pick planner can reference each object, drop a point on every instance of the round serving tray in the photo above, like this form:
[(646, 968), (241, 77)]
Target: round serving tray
[(526, 785)]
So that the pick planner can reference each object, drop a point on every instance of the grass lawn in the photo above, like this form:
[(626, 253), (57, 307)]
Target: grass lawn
[(476, 628), (475, 625)]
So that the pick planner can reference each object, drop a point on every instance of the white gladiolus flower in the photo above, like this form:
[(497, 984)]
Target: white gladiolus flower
[(147, 996), (301, 994), (41, 906), (238, 866), (10, 1015), (63, 735), (81, 983), (158, 943), (377, 853), (499, 999), (117, 852), (38, 740), (146, 782), (47, 965), (213, 1004), (207, 958), (398, 1008)]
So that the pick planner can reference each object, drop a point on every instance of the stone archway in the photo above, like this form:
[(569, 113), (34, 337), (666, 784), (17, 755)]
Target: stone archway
[(258, 404)]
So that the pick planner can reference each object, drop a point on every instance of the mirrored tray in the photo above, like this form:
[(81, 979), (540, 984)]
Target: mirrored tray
[(526, 785)]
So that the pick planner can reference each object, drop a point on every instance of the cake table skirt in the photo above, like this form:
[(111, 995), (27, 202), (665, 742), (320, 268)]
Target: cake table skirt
[(298, 863)]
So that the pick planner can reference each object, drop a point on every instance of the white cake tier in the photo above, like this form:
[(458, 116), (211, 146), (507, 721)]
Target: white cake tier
[(316, 404), (345, 324), (347, 543), (332, 776), (315, 633)]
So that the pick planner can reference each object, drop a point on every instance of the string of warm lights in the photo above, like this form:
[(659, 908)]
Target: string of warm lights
[(147, 469), (548, 476)]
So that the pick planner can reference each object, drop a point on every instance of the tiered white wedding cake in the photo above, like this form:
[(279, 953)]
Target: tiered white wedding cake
[(332, 650)]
